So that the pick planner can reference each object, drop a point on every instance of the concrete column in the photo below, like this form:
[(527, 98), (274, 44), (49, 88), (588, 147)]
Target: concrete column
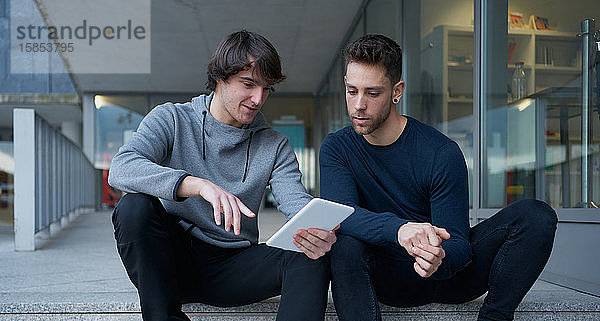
[(72, 130), (88, 126), (24, 151)]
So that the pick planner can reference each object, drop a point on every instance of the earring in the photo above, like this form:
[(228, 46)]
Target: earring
[(395, 100)]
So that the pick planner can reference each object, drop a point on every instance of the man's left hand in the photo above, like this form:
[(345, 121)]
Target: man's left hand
[(314, 242), (428, 259)]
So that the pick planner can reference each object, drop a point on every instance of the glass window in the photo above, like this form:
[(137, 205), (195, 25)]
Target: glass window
[(541, 140), (116, 118), (438, 69), (381, 17)]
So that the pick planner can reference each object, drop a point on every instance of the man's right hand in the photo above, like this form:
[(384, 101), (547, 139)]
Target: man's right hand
[(221, 201), (412, 234), (423, 242)]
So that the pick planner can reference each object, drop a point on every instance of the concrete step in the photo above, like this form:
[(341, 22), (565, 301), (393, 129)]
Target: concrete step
[(77, 275), (124, 306)]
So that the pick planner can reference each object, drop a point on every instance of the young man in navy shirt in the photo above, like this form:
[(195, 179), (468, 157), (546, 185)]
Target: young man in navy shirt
[(409, 243)]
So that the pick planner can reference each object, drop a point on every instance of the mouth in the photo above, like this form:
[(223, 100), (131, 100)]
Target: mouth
[(251, 108), (360, 120)]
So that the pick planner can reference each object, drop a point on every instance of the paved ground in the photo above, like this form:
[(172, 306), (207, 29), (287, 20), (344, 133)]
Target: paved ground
[(79, 268), (81, 258)]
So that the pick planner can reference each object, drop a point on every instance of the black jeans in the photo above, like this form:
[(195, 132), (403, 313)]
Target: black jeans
[(169, 267), (510, 250)]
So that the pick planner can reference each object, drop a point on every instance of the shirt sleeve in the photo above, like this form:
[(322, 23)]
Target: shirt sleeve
[(136, 168), (338, 184), (450, 208), (285, 182)]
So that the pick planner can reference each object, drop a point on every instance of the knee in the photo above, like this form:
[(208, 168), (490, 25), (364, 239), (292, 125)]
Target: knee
[(536, 215), (348, 252), (135, 213)]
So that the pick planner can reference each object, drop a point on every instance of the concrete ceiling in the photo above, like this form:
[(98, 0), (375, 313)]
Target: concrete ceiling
[(184, 33)]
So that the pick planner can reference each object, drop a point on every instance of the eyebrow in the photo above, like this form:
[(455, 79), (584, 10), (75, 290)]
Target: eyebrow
[(249, 79), (255, 82), (368, 88)]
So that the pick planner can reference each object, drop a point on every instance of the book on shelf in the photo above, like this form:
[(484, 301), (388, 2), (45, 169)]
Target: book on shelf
[(515, 21), (539, 23)]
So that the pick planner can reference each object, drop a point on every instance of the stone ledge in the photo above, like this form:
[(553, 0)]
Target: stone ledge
[(126, 302), (39, 99)]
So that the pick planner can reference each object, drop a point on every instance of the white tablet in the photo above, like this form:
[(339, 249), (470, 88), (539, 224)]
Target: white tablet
[(318, 213)]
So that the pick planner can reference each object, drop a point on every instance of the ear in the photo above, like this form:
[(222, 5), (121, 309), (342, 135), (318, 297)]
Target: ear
[(398, 90), (345, 79)]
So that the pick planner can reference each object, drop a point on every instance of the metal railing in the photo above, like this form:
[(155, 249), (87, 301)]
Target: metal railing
[(54, 180)]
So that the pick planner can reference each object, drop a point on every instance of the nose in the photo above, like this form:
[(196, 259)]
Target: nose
[(258, 95), (360, 102)]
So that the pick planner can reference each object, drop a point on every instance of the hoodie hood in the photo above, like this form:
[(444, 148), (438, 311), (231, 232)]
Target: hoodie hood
[(228, 135), (231, 134)]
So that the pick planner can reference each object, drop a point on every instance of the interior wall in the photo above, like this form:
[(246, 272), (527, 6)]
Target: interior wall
[(301, 107)]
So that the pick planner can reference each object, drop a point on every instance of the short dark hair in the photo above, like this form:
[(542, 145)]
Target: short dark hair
[(375, 50), (233, 55)]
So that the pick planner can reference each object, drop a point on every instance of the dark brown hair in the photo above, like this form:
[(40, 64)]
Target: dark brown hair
[(375, 50), (233, 55)]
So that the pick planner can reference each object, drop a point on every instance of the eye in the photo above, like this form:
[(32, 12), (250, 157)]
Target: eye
[(351, 92), (374, 94), (248, 84)]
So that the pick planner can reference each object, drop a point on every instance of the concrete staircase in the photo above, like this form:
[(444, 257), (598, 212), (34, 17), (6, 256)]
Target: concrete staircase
[(77, 275), (544, 302)]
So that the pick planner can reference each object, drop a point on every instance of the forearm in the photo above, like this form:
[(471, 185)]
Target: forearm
[(373, 228)]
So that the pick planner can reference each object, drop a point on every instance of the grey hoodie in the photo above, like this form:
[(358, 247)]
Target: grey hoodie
[(177, 140)]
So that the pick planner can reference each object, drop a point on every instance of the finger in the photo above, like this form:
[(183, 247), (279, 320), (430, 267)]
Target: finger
[(217, 212), (408, 247), (336, 228), (442, 232), (226, 213), (306, 250), (424, 264), (420, 270), (432, 237), (322, 234), (235, 212), (244, 209), (321, 238), (434, 250), (429, 257), (422, 236), (311, 241)]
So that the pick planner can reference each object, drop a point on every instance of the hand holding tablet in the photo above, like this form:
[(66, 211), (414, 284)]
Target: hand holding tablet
[(318, 213)]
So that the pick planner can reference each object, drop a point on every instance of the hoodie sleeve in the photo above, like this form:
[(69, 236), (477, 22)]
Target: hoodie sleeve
[(285, 182), (136, 168)]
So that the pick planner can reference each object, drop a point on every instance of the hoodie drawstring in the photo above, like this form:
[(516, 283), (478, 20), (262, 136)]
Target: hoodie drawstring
[(247, 157), (203, 138)]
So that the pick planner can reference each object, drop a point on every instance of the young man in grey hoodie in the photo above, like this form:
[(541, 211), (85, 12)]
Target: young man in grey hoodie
[(195, 174)]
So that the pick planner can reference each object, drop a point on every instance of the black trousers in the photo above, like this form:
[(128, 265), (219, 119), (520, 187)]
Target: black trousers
[(510, 250), (169, 267)]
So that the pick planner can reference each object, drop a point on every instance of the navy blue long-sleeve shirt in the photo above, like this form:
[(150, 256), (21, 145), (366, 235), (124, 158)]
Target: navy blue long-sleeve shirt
[(421, 177)]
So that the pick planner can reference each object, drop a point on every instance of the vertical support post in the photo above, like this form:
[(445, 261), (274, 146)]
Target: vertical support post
[(540, 149), (88, 127), (587, 31), (479, 60), (24, 151)]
